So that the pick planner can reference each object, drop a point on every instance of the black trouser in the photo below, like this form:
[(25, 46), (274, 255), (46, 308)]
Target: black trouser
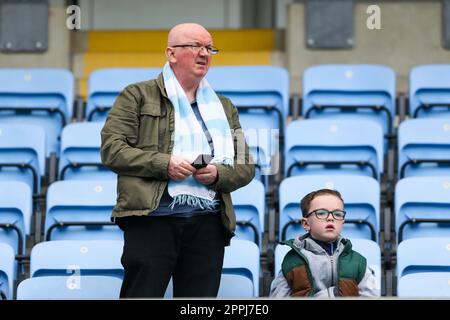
[(190, 250)]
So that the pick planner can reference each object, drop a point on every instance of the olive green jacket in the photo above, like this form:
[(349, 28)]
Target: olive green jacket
[(137, 145)]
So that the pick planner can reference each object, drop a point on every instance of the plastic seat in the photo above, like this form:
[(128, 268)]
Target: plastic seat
[(368, 248), (22, 154), (41, 96), (261, 94), (431, 266), (80, 153), (250, 211), (424, 147), (422, 207), (89, 257), (69, 288), (350, 91), (7, 273), (81, 210), (334, 147), (429, 91), (15, 214), (362, 203), (242, 260), (105, 85)]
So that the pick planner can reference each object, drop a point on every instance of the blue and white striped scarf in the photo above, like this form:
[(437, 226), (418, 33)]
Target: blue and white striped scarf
[(190, 139)]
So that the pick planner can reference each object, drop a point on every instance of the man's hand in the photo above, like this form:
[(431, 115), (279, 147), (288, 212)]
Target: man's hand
[(179, 168), (206, 175)]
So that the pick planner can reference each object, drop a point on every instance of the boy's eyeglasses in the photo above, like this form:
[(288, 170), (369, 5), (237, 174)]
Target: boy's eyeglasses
[(197, 48), (323, 214)]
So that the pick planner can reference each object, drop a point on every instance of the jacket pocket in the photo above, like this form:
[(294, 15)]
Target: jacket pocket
[(149, 126)]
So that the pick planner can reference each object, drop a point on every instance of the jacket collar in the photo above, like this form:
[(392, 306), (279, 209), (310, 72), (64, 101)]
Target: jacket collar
[(160, 83)]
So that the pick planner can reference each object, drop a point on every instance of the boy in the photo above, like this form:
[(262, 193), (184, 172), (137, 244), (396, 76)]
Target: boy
[(321, 262)]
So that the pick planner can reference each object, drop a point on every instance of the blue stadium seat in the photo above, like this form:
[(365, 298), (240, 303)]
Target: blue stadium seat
[(80, 153), (429, 91), (43, 97), (77, 257), (424, 285), (261, 94), (241, 260), (350, 92), (424, 147), (15, 214), (22, 154), (422, 207), (81, 210), (361, 196), (354, 147), (7, 273), (431, 266), (69, 288), (250, 211), (105, 85), (368, 248)]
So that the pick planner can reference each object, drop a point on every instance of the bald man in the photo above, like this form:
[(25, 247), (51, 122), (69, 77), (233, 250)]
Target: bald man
[(176, 147)]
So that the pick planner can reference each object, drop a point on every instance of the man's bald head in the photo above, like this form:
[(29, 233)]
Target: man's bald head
[(185, 32)]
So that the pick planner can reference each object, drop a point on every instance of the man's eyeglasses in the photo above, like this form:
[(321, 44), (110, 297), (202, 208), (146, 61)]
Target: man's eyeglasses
[(196, 48), (323, 214)]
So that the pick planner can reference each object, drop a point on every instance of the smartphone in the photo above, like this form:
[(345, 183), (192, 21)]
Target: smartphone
[(202, 161)]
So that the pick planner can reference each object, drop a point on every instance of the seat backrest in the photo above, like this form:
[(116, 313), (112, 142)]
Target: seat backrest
[(89, 257), (250, 209), (22, 144), (242, 258), (69, 288), (7, 258), (16, 203), (424, 139), (422, 198), (105, 85), (369, 249), (429, 85), (38, 88), (361, 196), (336, 140), (348, 86), (423, 255), (80, 144), (81, 201)]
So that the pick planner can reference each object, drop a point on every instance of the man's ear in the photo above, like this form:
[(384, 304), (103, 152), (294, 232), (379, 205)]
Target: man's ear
[(170, 55), (305, 224)]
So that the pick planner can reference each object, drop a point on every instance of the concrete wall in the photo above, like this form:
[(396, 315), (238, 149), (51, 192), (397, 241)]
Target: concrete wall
[(58, 53), (410, 35)]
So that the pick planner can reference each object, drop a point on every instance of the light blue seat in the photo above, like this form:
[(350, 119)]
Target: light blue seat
[(422, 207), (69, 288), (240, 272), (242, 260), (80, 153), (350, 91), (423, 260), (424, 147), (362, 203), (7, 271), (334, 147), (77, 257), (22, 154), (261, 94), (15, 214), (40, 96), (105, 85), (249, 207), (429, 91), (368, 248), (424, 285), (81, 209)]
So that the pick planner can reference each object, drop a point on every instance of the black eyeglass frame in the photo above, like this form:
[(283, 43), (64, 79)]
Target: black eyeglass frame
[(210, 49), (329, 212)]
